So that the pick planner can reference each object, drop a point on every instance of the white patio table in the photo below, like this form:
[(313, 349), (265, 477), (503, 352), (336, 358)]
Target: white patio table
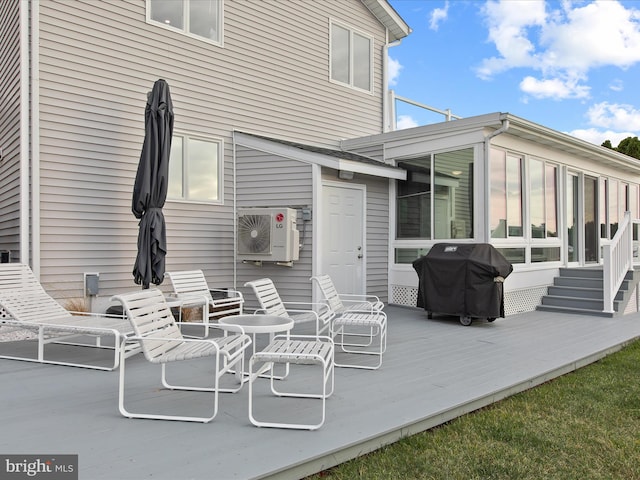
[(259, 324)]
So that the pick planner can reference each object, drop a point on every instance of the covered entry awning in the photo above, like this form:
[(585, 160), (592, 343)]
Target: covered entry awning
[(326, 157)]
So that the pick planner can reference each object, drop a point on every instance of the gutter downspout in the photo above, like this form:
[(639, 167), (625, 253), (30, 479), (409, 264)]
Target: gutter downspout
[(35, 137), (387, 124), (487, 167), (24, 134), (235, 211)]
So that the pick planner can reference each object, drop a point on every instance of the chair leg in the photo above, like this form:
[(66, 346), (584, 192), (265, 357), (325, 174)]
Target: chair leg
[(125, 412), (325, 363), (378, 333)]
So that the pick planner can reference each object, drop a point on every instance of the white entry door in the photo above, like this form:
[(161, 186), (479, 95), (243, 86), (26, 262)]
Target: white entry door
[(343, 254)]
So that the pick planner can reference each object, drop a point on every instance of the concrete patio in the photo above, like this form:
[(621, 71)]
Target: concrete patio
[(433, 371)]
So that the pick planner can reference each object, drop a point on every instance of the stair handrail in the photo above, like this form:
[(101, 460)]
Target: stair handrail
[(617, 260)]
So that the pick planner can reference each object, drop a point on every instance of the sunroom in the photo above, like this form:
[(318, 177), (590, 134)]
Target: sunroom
[(545, 199)]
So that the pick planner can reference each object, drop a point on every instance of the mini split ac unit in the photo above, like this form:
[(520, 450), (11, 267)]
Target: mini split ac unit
[(268, 234)]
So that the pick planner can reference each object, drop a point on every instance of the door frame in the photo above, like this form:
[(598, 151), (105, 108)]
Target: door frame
[(318, 227)]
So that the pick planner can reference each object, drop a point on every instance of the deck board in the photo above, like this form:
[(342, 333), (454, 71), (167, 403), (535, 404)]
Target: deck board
[(434, 370)]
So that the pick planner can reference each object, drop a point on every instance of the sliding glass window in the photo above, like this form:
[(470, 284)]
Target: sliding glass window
[(506, 195), (438, 187), (543, 183)]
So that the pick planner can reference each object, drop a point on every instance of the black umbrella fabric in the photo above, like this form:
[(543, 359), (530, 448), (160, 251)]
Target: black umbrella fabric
[(150, 187)]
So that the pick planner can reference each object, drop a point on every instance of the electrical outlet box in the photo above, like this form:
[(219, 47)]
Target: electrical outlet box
[(91, 284)]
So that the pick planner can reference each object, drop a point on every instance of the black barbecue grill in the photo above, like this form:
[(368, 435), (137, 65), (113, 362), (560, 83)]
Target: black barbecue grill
[(462, 279)]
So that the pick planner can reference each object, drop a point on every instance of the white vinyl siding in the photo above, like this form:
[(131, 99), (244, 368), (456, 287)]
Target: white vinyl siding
[(98, 60), (265, 180), (10, 128)]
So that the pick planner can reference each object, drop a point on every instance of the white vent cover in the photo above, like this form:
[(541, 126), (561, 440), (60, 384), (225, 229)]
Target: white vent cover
[(268, 234)]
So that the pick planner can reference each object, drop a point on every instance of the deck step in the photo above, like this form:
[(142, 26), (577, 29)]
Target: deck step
[(573, 302), (578, 311), (580, 290)]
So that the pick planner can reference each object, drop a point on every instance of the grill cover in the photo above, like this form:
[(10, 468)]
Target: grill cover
[(459, 279)]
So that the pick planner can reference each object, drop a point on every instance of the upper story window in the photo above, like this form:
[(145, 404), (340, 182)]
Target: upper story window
[(195, 169), (351, 57), (200, 18)]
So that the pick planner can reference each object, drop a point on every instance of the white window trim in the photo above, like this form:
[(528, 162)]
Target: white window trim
[(219, 43), (352, 30), (220, 142)]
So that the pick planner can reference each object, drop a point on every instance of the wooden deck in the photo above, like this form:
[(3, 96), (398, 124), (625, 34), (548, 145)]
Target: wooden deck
[(433, 371)]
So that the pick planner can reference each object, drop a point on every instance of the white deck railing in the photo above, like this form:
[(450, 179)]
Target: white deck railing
[(393, 120), (617, 260)]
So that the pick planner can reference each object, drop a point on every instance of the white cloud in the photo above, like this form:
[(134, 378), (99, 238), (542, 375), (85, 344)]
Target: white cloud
[(600, 33), (405, 121), (554, 88), (615, 116), (563, 43), (616, 85), (597, 137), (611, 121), (509, 29), (438, 15), (393, 69)]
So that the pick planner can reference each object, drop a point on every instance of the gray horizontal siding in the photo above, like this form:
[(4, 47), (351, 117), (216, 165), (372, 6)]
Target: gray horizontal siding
[(10, 128), (264, 181), (98, 60)]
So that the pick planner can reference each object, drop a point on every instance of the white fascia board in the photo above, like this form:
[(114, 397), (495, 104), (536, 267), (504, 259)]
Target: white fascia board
[(388, 17), (518, 127), (315, 158)]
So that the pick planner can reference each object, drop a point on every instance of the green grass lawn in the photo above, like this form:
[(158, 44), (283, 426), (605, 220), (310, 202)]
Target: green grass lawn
[(583, 426)]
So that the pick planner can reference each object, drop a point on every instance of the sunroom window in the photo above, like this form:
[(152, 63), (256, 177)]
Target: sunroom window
[(351, 57), (544, 199), (200, 18), (506, 195), (195, 169), (438, 187)]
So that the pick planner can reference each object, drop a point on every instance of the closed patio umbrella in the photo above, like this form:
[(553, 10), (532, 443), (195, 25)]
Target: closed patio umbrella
[(150, 187)]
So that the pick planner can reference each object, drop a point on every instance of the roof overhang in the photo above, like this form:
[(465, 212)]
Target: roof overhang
[(517, 127), (325, 157), (392, 21)]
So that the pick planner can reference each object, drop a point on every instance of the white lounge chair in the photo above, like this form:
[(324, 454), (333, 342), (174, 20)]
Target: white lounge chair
[(300, 312), (191, 287), (161, 341), (24, 304), (340, 303), (294, 350)]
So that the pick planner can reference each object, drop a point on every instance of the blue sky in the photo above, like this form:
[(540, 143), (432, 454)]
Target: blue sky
[(573, 66)]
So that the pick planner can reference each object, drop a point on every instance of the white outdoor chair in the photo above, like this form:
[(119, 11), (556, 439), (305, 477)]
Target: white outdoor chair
[(360, 333), (294, 350), (162, 343), (25, 305), (359, 325), (340, 303), (300, 312), (190, 286)]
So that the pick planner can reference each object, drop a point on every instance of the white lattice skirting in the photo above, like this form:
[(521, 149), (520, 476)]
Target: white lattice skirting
[(515, 301)]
